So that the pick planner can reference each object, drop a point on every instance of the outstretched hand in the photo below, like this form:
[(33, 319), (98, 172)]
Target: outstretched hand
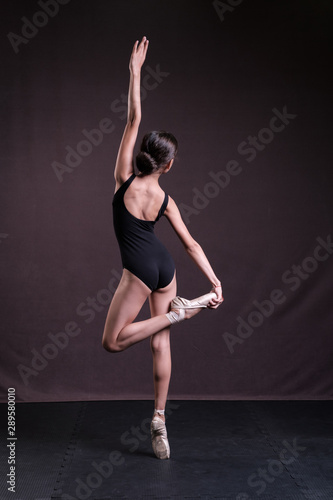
[(138, 55)]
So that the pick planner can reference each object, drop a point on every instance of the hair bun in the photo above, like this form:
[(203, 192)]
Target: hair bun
[(145, 162)]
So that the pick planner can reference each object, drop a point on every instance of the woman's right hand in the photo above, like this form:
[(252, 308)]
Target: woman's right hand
[(214, 303), (138, 55)]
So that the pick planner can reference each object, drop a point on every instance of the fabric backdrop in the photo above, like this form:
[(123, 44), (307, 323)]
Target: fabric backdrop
[(246, 88)]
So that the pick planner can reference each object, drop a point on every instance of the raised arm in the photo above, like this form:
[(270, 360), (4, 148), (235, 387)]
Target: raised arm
[(124, 163), (193, 249)]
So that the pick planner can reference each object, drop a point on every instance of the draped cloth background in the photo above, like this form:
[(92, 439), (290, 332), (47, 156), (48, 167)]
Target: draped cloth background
[(246, 89)]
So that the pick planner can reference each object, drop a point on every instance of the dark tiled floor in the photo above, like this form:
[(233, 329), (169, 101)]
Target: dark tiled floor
[(240, 450)]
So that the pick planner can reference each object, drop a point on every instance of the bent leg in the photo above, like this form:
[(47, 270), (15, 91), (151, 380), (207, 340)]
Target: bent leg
[(120, 332), (159, 302)]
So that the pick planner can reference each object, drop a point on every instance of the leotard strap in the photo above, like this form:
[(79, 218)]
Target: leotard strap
[(163, 207)]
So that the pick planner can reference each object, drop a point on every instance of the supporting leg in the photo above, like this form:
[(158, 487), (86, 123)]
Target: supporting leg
[(159, 302), (160, 347)]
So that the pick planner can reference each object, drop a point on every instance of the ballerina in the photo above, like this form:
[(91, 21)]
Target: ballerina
[(148, 268)]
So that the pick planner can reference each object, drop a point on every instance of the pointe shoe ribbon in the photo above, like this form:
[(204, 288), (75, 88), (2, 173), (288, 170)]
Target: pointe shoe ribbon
[(203, 301)]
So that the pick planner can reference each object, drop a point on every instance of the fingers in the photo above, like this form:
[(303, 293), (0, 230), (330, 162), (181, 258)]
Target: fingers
[(138, 55), (213, 306), (143, 45), (138, 45), (146, 47), (214, 303), (219, 296), (135, 46)]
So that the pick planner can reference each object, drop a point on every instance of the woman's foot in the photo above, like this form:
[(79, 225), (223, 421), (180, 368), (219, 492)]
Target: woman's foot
[(159, 437), (184, 309), (188, 313), (201, 301)]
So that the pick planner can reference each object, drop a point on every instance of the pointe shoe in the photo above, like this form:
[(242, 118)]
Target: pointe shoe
[(159, 438), (203, 301), (181, 304)]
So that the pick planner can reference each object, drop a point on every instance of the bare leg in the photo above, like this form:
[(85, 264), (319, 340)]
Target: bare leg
[(119, 331), (159, 302)]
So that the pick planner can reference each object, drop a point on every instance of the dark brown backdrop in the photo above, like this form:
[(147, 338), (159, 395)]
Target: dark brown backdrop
[(245, 87)]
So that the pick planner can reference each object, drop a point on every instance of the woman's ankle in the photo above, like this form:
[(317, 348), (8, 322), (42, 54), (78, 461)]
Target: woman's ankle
[(159, 413), (176, 315)]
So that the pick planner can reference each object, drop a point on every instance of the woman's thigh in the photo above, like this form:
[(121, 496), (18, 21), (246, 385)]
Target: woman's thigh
[(159, 300), (159, 303), (126, 304)]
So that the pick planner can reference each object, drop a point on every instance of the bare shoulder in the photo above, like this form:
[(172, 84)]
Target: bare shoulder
[(172, 212), (120, 180), (171, 206), (173, 215)]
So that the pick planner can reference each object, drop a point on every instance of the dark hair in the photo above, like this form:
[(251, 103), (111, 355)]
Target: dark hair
[(157, 149)]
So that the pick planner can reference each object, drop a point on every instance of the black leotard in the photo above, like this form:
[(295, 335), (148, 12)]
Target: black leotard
[(141, 251)]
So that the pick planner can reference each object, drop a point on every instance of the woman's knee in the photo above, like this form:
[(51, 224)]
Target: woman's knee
[(160, 342), (111, 346)]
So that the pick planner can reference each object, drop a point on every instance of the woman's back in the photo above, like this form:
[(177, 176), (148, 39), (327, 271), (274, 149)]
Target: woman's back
[(144, 198), (141, 252)]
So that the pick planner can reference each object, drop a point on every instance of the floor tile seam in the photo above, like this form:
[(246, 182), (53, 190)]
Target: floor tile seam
[(296, 477), (64, 468), (294, 469)]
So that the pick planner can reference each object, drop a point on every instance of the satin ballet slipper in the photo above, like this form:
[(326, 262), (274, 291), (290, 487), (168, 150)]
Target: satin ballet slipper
[(202, 301), (181, 304), (159, 438)]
